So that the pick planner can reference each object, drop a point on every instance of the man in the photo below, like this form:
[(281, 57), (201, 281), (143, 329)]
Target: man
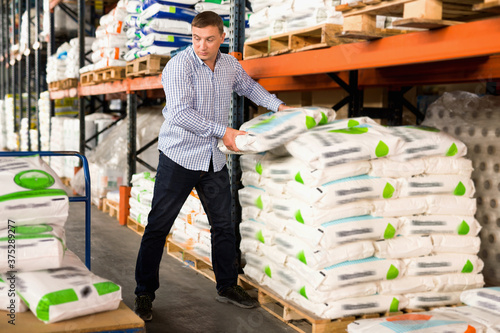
[(198, 84)]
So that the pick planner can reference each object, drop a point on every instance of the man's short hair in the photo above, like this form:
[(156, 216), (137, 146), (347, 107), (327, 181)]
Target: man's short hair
[(208, 18)]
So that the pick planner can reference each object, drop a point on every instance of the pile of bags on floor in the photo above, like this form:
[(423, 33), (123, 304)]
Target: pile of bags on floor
[(37, 270), (347, 217), (480, 315), (141, 196)]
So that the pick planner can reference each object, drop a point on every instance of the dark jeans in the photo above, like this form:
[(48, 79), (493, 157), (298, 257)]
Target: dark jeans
[(172, 187)]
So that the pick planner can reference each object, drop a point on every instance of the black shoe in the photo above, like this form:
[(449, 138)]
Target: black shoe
[(237, 296), (144, 307)]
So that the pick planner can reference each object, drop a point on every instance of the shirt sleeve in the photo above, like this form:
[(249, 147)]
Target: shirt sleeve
[(179, 93), (244, 85)]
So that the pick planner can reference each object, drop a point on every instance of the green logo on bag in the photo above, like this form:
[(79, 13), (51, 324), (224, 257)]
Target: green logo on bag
[(310, 122), (260, 237), (263, 122), (33, 229), (298, 217), (34, 179), (303, 292), (388, 191), (258, 168), (267, 270), (382, 149), (392, 273), (352, 123), (463, 228), (459, 190), (324, 119), (258, 203), (452, 151), (468, 267), (302, 257), (298, 178), (389, 232), (394, 305)]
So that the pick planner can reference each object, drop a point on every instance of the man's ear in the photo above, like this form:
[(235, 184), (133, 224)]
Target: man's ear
[(223, 35)]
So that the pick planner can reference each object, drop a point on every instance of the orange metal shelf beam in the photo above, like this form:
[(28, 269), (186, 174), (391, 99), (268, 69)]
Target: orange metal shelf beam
[(475, 39), (59, 94), (480, 70), (104, 88), (53, 4)]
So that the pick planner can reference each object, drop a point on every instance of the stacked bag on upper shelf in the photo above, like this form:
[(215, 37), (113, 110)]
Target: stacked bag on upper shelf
[(158, 27), (289, 15), (48, 279), (348, 217)]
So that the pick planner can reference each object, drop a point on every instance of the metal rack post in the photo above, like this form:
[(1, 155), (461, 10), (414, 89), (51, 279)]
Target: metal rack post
[(132, 132), (28, 71), (2, 58), (20, 70), (81, 42), (13, 65), (36, 47)]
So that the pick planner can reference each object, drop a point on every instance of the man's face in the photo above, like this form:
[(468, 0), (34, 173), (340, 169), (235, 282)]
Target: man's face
[(206, 42)]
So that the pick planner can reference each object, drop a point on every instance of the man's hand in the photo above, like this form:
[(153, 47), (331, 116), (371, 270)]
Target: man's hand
[(230, 136), (283, 107)]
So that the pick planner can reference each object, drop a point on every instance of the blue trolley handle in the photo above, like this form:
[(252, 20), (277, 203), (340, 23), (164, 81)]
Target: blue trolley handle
[(85, 198)]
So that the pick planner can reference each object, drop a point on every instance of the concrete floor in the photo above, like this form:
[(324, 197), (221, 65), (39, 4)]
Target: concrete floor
[(185, 301)]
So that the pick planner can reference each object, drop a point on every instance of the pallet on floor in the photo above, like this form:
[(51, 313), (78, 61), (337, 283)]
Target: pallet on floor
[(320, 36), (151, 64), (195, 261), (111, 207), (360, 17), (135, 226)]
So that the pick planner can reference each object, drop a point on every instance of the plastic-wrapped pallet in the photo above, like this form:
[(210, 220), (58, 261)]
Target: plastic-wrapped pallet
[(12, 136), (67, 292), (44, 120), (141, 196)]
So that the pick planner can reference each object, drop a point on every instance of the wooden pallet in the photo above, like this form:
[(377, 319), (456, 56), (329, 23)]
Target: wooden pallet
[(149, 65), (63, 84), (53, 86), (111, 207), (360, 17), (316, 37), (194, 260), (87, 78), (135, 226), (299, 318)]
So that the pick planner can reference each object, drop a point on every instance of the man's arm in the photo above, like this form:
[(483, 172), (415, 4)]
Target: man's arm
[(244, 85), (179, 93)]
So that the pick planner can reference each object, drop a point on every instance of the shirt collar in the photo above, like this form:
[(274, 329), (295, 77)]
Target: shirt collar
[(199, 61)]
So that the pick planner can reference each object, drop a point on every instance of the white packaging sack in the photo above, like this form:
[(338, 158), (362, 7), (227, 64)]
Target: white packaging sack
[(315, 177), (165, 26), (324, 147), (364, 305), (439, 224), (274, 223), (31, 193), (67, 292), (406, 285), (385, 167), (35, 247), (9, 300), (255, 197), (450, 205), (438, 184), (403, 247), (254, 273), (274, 129), (249, 245), (253, 162), (457, 282), (277, 287), (349, 272), (250, 178), (443, 263), (248, 213), (296, 210), (256, 230), (487, 299), (432, 299), (357, 290), (455, 244), (345, 190), (440, 165), (318, 258), (420, 141), (421, 322), (469, 313)]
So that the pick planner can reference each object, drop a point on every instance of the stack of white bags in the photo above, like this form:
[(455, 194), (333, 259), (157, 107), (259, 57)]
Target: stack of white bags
[(289, 15), (191, 228), (480, 315), (48, 278), (352, 217), (141, 196), (109, 45), (158, 27)]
